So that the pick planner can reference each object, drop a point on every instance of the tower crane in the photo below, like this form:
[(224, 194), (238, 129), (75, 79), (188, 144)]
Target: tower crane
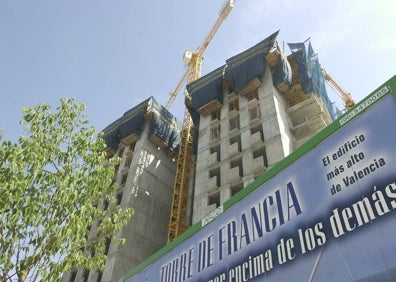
[(193, 60), (345, 96)]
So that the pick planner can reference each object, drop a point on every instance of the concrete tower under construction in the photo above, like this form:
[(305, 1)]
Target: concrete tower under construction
[(146, 139), (248, 115), (251, 113)]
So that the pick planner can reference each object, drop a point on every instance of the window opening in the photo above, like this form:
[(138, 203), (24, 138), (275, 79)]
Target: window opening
[(252, 95), (236, 188), (107, 245), (99, 276), (119, 198), (85, 275), (128, 161), (237, 163), (124, 179), (233, 105), (216, 150), (261, 152), (215, 115), (214, 199), (234, 122), (215, 132), (236, 139), (73, 276), (254, 112), (215, 173), (132, 146), (256, 129)]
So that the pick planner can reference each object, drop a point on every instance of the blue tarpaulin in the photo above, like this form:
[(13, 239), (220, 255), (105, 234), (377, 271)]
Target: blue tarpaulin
[(164, 130), (207, 88), (238, 72), (310, 74), (129, 123), (239, 76), (244, 67), (162, 124), (282, 72)]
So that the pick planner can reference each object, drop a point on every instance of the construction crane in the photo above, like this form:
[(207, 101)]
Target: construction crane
[(345, 96), (193, 60)]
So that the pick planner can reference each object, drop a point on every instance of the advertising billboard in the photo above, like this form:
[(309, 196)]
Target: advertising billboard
[(326, 212)]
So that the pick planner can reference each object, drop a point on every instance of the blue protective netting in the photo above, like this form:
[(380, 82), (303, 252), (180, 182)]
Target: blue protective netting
[(238, 72), (310, 73), (282, 71), (162, 124), (238, 76), (164, 130), (207, 88), (242, 68), (129, 123)]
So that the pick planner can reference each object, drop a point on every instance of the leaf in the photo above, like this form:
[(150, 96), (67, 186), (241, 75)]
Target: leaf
[(51, 182)]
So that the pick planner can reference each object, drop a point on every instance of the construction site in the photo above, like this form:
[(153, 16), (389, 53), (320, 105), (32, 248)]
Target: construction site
[(241, 119)]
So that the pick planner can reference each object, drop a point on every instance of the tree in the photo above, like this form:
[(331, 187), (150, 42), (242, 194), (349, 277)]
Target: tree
[(55, 188)]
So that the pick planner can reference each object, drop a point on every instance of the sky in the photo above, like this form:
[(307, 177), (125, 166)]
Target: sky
[(112, 55)]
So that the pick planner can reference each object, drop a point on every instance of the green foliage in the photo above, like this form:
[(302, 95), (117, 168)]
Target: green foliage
[(54, 183)]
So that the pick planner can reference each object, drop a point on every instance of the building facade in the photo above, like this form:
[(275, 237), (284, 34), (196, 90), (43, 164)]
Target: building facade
[(250, 114), (146, 138)]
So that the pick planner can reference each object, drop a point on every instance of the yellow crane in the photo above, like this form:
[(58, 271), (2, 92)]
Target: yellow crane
[(344, 95), (193, 60)]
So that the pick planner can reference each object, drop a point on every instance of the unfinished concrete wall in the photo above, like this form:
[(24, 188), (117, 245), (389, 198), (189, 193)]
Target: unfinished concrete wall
[(145, 138), (250, 125), (276, 122), (148, 190), (236, 144)]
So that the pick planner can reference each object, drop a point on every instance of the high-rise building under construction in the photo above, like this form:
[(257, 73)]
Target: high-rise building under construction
[(146, 139), (248, 115)]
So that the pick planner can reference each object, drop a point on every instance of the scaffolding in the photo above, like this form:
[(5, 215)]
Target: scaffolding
[(299, 79)]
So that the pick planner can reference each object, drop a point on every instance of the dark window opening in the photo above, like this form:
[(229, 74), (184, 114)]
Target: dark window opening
[(252, 95), (256, 129), (215, 115), (216, 150), (214, 199), (236, 188), (233, 105), (215, 173), (215, 132), (234, 122)]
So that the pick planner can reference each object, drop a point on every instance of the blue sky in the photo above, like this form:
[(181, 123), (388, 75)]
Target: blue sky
[(111, 55)]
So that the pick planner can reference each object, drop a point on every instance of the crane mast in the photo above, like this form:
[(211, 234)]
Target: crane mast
[(193, 60)]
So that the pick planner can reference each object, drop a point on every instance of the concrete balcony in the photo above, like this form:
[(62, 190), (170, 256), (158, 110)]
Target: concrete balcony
[(233, 175), (212, 160), (255, 139), (212, 183), (258, 165), (233, 149)]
